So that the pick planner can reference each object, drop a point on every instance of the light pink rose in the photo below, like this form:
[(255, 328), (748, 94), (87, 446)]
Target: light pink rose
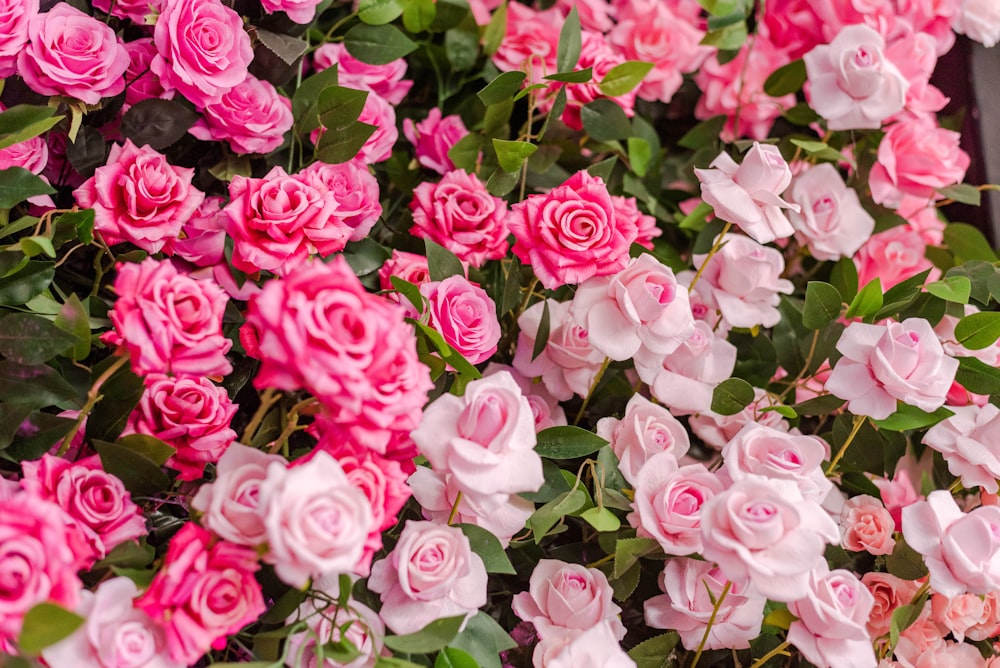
[(114, 634), (923, 636), (749, 194), (596, 15), (202, 593), (464, 315), (203, 51), (355, 189), (433, 137), (867, 526), (597, 647), (883, 363), (830, 220), (627, 209), (897, 494), (915, 158), (15, 15), (945, 330), (951, 655), (645, 431), (686, 605), (385, 81), (961, 550), (530, 42), (252, 117), (979, 20), (988, 625), (431, 573), (831, 626), (893, 256), (668, 501), (545, 408), (299, 11), (717, 430), (968, 441), (169, 322), (888, 593), (485, 439), (642, 306), (763, 531), (852, 84), (564, 598), (571, 233), (959, 613), (355, 623), (141, 83), (758, 450), (139, 197), (461, 215), (914, 53), (73, 54), (316, 521)]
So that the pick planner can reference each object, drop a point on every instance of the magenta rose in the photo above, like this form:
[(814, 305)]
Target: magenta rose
[(203, 238), (830, 220), (464, 315), (139, 197), (386, 81), (410, 267), (966, 441), (916, 157), (73, 54), (14, 18), (356, 190), (831, 626), (142, 84), (31, 154), (646, 430), (433, 137), (252, 117), (600, 57), (529, 42)]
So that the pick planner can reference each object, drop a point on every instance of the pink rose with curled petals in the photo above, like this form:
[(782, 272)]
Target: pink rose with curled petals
[(830, 220), (464, 315), (355, 189), (142, 83), (203, 238), (136, 11), (969, 441), (596, 648), (959, 613), (893, 256), (883, 363), (916, 157), (979, 20), (889, 593), (831, 626), (530, 42), (867, 526), (431, 573), (961, 550), (382, 115), (385, 80), (251, 117), (14, 18), (646, 430), (433, 137), (897, 494), (410, 267), (748, 195), (31, 154)]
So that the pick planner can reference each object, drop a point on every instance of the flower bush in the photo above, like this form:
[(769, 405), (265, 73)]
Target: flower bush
[(464, 333)]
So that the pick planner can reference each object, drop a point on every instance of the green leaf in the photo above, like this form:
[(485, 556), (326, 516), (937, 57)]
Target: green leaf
[(379, 12), (867, 302), (365, 256), (822, 305), (158, 123), (151, 447), (621, 79), (956, 289), (570, 41), (968, 243), (74, 318), (704, 134), (408, 290), (568, 442), (465, 152), (129, 554), (451, 657), (603, 169), (821, 150), (29, 282), (542, 335), (30, 339), (141, 476), (844, 277), (378, 45), (501, 182), (340, 146), (546, 517), (639, 155), (23, 122), (512, 154), (902, 295), (339, 107), (787, 79), (484, 639), (601, 519), (461, 44), (419, 15), (910, 417), (604, 120), (306, 99), (18, 184), (731, 396), (441, 262), (655, 652), (45, 625), (821, 405), (503, 87), (495, 30), (962, 193), (628, 551), (35, 384), (431, 638), (32, 246), (728, 38), (905, 562), (554, 485), (448, 354), (978, 330), (575, 76), (975, 376), (489, 549)]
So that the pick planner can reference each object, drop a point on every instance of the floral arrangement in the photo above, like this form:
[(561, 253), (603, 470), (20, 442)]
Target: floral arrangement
[(464, 333)]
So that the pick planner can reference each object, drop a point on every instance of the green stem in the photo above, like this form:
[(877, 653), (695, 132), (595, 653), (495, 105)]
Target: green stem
[(454, 509), (338, 24), (268, 399), (777, 651), (590, 392), (93, 396), (858, 421), (711, 620), (715, 249)]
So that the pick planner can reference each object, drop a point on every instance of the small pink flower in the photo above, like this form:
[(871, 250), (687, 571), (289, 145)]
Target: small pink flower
[(464, 315), (299, 11), (645, 431), (252, 117), (968, 441), (830, 220), (897, 494), (203, 241), (565, 599), (433, 137), (831, 625), (867, 526), (959, 613), (385, 81), (598, 55), (915, 158)]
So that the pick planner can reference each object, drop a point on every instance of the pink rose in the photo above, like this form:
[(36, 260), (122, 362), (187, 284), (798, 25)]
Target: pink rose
[(831, 626), (915, 158), (596, 648), (883, 363), (530, 42), (598, 55), (717, 430), (793, 25), (640, 307), (114, 634), (752, 529), (893, 256), (988, 625), (968, 442), (431, 573), (596, 15), (203, 238), (914, 53), (571, 233), (386, 81), (203, 51), (354, 188), (749, 194), (690, 590), (15, 15), (356, 623), (545, 408), (141, 83), (485, 439), (945, 330), (564, 599), (433, 137), (410, 267), (461, 215), (32, 154), (830, 220), (230, 505), (169, 322), (897, 494), (139, 197), (70, 53), (959, 613), (961, 550), (252, 117), (979, 20), (645, 431), (464, 315), (888, 592), (867, 526), (299, 11), (203, 593), (135, 10), (852, 84), (627, 209), (951, 655), (382, 115)]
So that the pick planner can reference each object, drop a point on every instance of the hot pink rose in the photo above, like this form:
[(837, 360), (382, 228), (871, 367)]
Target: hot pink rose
[(464, 315), (203, 240), (32, 154), (793, 25), (914, 158), (431, 573), (968, 441), (831, 626), (758, 450), (73, 54), (893, 256), (961, 550), (867, 526), (717, 430), (354, 188), (598, 55), (299, 11), (135, 10), (564, 599), (645, 431), (572, 232), (830, 220), (410, 267), (627, 209), (530, 42), (596, 15), (139, 197), (204, 592), (979, 20), (461, 215), (888, 592), (384, 80), (690, 590), (169, 322), (883, 363), (15, 15), (142, 84), (252, 117), (203, 51), (433, 137), (355, 623), (382, 115)]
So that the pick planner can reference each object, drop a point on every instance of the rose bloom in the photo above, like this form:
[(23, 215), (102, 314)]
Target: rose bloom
[(545, 408), (252, 117), (889, 592), (690, 590), (135, 10), (114, 634), (142, 84), (204, 591), (433, 137), (354, 188), (432, 573), (959, 613), (883, 363), (897, 494), (867, 526), (646, 430), (642, 306), (203, 238), (169, 322), (355, 623), (571, 233), (968, 441), (529, 42), (32, 155), (598, 55), (914, 53), (464, 315), (627, 209), (830, 220), (951, 655), (203, 51), (139, 197), (382, 115), (717, 430), (410, 267), (915, 158), (758, 450), (299, 11), (831, 626), (979, 20), (70, 53), (461, 215), (893, 256), (961, 550), (596, 648), (14, 18), (386, 80)]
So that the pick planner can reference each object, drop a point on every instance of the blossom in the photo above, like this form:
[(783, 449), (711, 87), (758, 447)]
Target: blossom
[(385, 80), (867, 525), (830, 629), (915, 158), (645, 431), (15, 15), (968, 442), (830, 220), (299, 11), (433, 138), (251, 117), (464, 315), (892, 256)]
